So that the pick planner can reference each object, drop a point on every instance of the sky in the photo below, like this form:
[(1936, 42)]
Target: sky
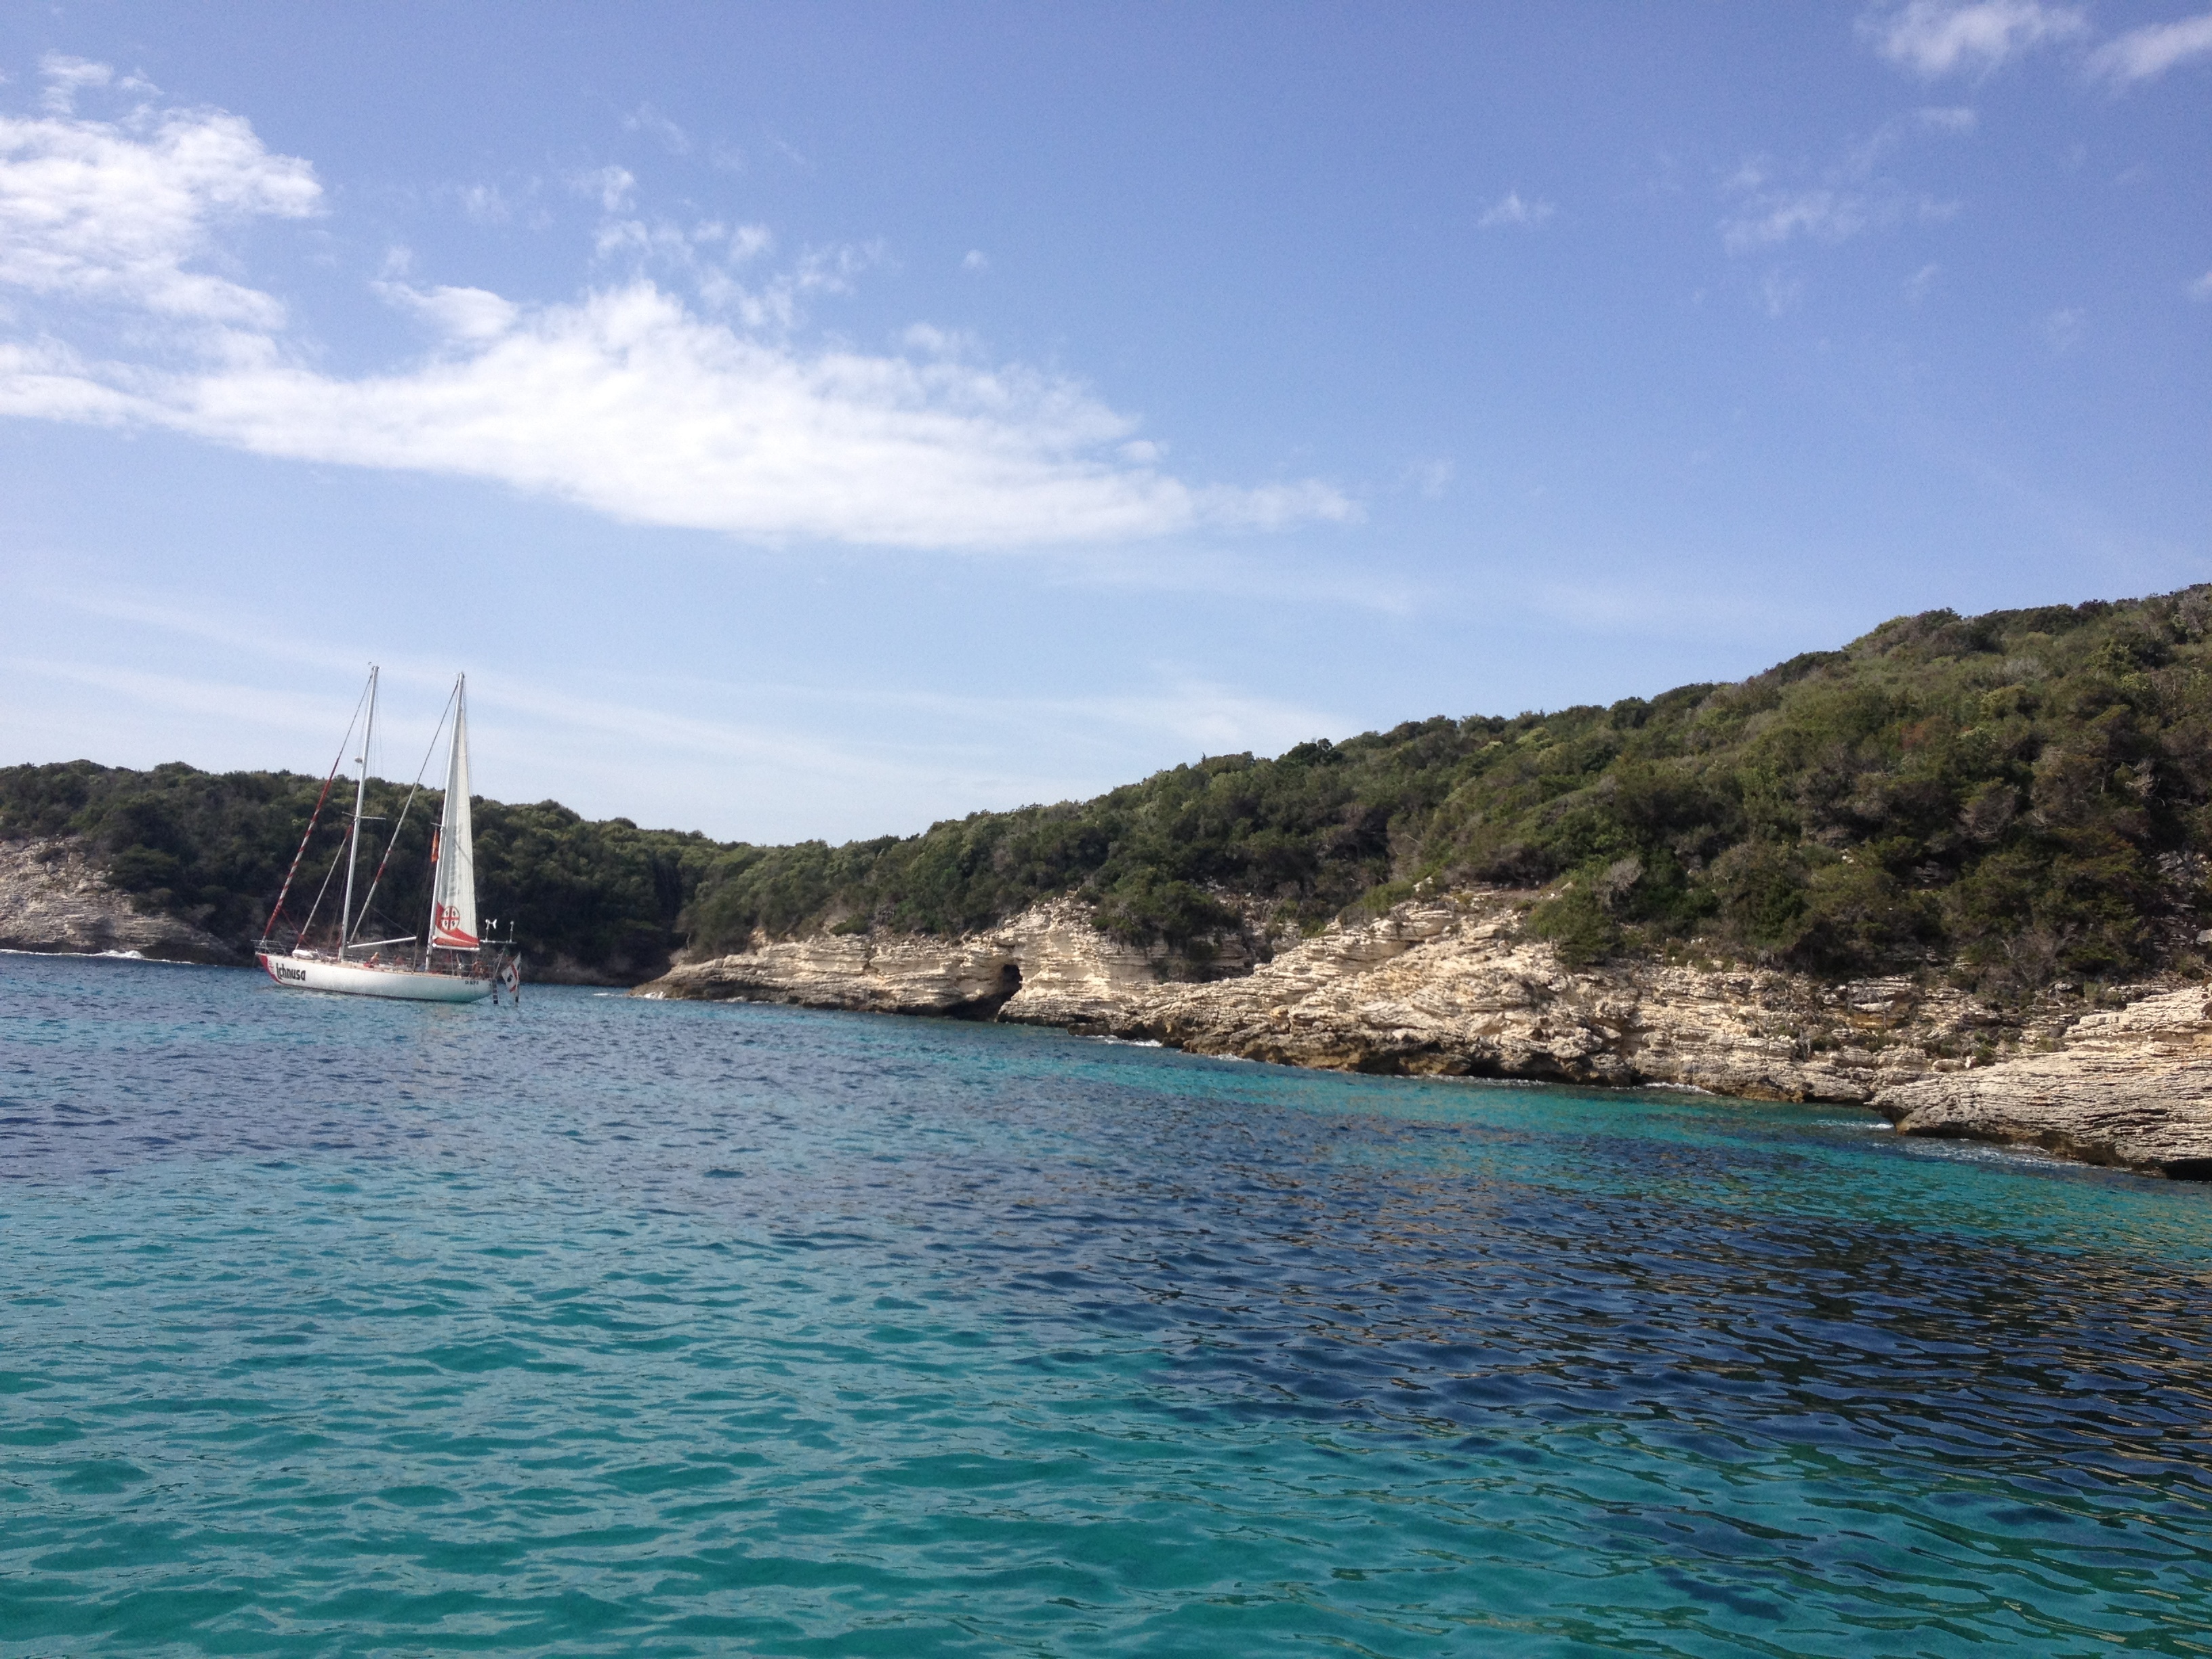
[(820, 421)]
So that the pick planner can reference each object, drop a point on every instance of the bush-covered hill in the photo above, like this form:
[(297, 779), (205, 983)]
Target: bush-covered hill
[(2024, 793)]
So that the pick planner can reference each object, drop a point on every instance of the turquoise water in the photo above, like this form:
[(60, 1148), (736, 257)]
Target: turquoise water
[(607, 1326)]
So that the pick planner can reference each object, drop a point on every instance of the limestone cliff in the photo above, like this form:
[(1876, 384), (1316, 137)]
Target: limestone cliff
[(1047, 966), (1449, 986), (2132, 1087), (53, 897)]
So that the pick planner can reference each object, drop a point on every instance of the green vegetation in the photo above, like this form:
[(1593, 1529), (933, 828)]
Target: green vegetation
[(2024, 793), (2028, 794)]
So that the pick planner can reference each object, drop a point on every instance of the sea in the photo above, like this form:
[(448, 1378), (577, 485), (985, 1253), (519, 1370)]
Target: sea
[(606, 1326)]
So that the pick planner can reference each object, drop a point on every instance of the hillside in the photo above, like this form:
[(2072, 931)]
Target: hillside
[(2024, 791), (2024, 794)]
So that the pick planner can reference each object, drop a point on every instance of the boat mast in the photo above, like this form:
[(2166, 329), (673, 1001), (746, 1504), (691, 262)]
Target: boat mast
[(360, 800)]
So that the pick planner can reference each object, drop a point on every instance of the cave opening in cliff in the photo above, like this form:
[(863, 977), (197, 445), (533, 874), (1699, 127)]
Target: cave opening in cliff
[(986, 1005)]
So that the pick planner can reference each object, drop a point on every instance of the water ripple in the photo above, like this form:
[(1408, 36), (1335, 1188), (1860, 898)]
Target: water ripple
[(610, 1327)]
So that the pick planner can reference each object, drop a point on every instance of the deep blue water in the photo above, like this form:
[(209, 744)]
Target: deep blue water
[(330, 1327)]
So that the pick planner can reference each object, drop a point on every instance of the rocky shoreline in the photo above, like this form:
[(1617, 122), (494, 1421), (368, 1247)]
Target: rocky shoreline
[(1446, 985), (1449, 986), (55, 899)]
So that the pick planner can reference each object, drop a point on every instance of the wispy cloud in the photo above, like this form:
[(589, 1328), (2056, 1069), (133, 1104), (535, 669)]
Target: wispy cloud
[(65, 77), (1935, 37), (646, 119), (310, 715), (485, 204), (711, 259), (611, 185), (630, 400), (1430, 478), (2062, 328), (2202, 288), (2143, 54), (1851, 197), (828, 756), (1771, 215), (1512, 208)]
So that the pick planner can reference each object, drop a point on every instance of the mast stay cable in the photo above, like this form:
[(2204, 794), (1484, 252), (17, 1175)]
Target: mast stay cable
[(283, 892)]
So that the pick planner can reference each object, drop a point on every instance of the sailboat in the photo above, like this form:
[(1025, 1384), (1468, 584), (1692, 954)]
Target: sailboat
[(452, 966)]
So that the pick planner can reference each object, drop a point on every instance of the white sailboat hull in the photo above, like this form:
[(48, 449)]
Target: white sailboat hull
[(359, 979)]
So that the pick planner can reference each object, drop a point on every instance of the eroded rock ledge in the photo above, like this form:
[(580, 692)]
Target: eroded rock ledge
[(2132, 1087), (54, 899), (1449, 987)]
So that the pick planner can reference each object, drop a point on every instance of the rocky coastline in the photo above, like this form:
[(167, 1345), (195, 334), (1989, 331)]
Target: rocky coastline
[(55, 898), (1450, 985), (1443, 985)]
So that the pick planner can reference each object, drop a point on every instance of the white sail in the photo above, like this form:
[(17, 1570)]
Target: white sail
[(453, 893)]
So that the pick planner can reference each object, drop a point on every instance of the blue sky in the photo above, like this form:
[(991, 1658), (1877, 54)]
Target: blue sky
[(819, 420)]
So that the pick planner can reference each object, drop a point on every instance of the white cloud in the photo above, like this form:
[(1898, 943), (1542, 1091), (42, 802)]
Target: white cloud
[(1935, 37), (1848, 198), (65, 76), (2062, 328), (485, 204), (611, 184), (629, 400), (2202, 288), (1822, 213), (707, 256), (646, 119), (975, 259), (2145, 53), (467, 315), (1510, 209), (113, 212), (1774, 216), (935, 342), (1918, 284)]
